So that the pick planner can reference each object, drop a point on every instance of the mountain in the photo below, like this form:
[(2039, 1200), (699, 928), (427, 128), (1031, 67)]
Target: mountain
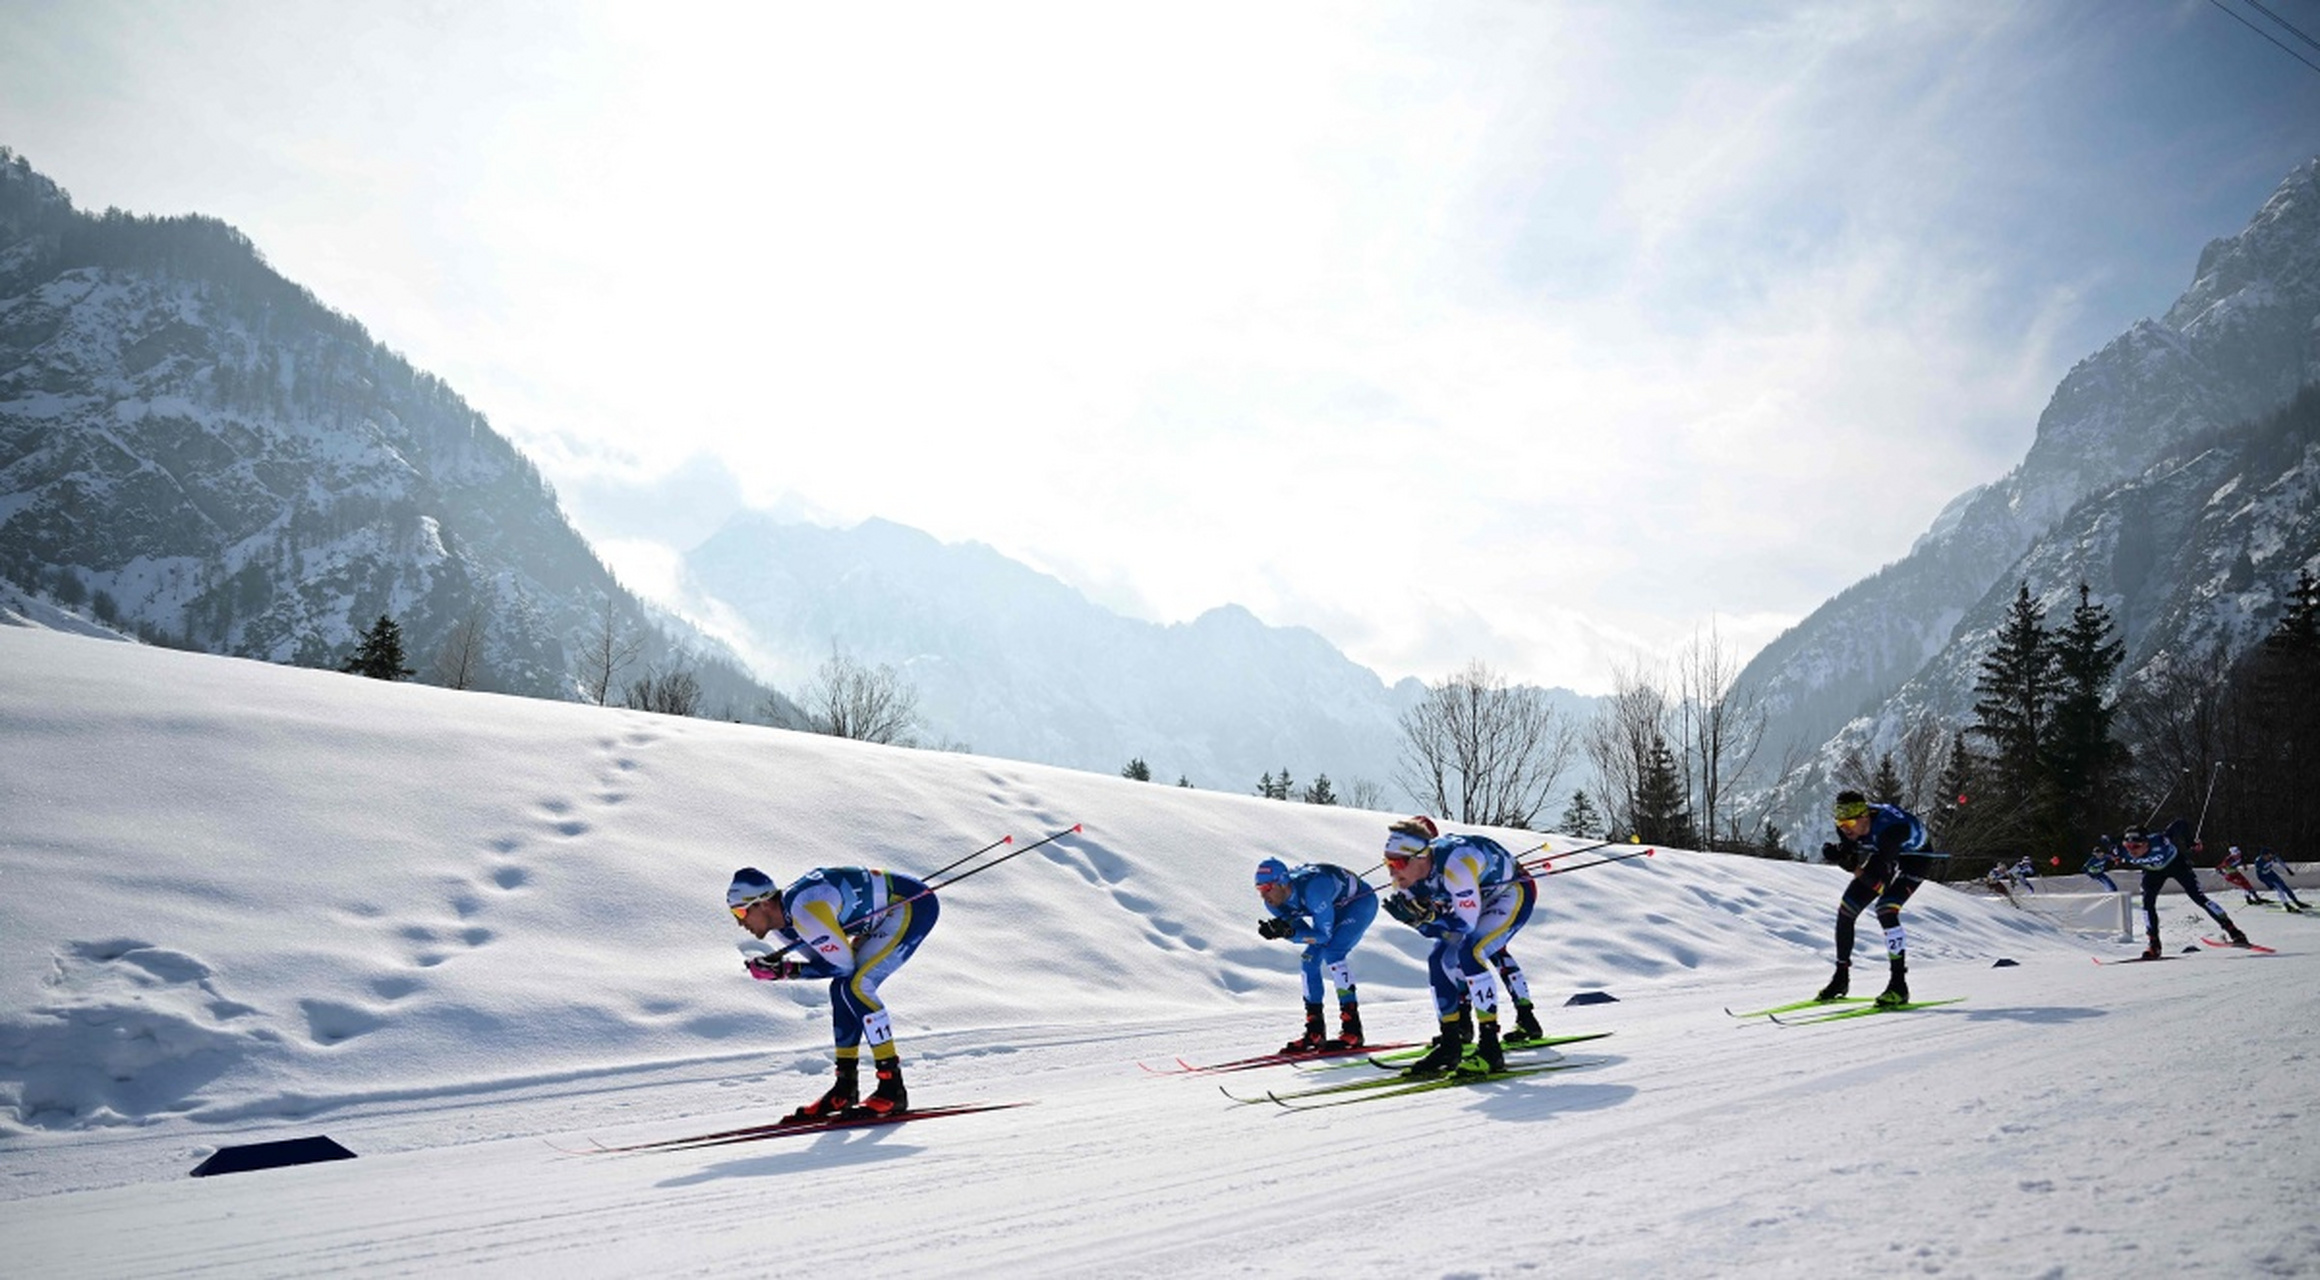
[(205, 456), (2128, 486), (1021, 665)]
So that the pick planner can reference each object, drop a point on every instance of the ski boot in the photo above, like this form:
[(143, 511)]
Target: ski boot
[(1446, 1051), (1896, 990), (1487, 1050), (2152, 952), (2231, 931), (1838, 985), (1526, 1022), (843, 1096), (1348, 1027), (1315, 1034), (890, 1098)]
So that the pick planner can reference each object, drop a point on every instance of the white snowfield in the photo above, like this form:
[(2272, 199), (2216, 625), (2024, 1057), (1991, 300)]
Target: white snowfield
[(469, 936)]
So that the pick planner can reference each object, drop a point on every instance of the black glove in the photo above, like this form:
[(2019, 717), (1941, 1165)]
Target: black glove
[(1844, 854), (769, 969), (1276, 927), (1409, 910)]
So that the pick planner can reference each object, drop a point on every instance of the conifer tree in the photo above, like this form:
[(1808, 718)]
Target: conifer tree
[(1137, 771), (1320, 792), (1661, 814), (2014, 698), (378, 652), (2085, 762), (1580, 817), (1886, 787), (1951, 818)]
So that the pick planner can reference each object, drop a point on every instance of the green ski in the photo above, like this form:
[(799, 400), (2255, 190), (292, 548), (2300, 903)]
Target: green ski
[(1393, 1061), (1843, 1014), (1800, 1004), (1398, 1087)]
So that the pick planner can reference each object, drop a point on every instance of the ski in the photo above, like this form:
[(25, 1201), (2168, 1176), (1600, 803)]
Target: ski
[(2130, 959), (1183, 1068), (786, 1128), (1800, 1004), (1411, 1053), (2228, 945), (1865, 1011), (1395, 1087)]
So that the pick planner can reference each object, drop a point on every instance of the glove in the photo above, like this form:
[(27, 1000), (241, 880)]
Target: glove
[(1841, 854), (769, 969), (1276, 927), (1409, 910)]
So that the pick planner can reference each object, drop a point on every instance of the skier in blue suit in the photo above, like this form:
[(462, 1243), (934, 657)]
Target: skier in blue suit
[(2273, 872), (2161, 860), (1327, 909), (1885, 847), (1472, 897), (2098, 864)]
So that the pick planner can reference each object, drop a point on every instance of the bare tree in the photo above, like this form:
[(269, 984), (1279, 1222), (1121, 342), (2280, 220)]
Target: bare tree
[(1364, 793), (459, 663), (675, 692), (870, 704), (1920, 754), (1619, 739), (1479, 750), (612, 644), (1723, 725)]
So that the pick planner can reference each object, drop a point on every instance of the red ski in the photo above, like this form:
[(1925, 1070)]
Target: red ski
[(788, 1128), (1183, 1068), (2228, 945)]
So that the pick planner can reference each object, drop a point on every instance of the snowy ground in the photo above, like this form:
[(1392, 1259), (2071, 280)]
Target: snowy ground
[(464, 934)]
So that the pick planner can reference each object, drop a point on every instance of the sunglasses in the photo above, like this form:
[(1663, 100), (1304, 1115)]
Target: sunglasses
[(742, 912)]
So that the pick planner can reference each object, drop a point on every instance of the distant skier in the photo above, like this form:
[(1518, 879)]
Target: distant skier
[(854, 926), (2162, 861), (2098, 864), (2000, 882), (1470, 895), (1884, 846), (1327, 909), (2025, 874), (2233, 868), (2273, 872)]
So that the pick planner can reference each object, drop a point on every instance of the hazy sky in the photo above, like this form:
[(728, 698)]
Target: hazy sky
[(1545, 334)]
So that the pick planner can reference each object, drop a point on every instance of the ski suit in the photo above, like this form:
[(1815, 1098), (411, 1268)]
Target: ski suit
[(1478, 899), (1333, 908), (2274, 873), (856, 926), (2098, 865), (1887, 867), (2025, 873), (2161, 862), (2229, 868)]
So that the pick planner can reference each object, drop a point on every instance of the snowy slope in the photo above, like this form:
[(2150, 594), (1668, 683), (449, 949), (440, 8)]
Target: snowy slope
[(458, 932)]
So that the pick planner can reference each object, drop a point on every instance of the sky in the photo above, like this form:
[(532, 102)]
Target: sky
[(1138, 294), (469, 937)]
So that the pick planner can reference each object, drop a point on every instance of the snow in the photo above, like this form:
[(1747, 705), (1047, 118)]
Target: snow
[(466, 935)]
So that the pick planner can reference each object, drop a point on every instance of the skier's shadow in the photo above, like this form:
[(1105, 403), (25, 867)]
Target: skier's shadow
[(2042, 1015), (838, 1150), (1558, 1093)]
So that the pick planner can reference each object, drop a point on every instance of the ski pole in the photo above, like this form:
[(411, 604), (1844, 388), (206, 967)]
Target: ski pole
[(2165, 797), (1585, 848), (972, 856), (1617, 857), (852, 925), (2214, 774)]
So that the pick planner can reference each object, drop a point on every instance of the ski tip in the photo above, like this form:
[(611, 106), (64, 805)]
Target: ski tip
[(1007, 840), (1075, 826)]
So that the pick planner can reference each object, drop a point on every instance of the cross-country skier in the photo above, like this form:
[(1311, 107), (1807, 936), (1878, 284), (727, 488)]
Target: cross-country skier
[(2233, 868), (2025, 874), (1327, 909), (1884, 847), (2273, 872), (854, 926), (2162, 861), (1469, 893), (2098, 864), (1452, 987)]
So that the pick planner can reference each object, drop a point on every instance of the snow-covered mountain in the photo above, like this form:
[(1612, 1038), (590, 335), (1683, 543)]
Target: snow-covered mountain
[(1018, 664), (202, 454), (2112, 443)]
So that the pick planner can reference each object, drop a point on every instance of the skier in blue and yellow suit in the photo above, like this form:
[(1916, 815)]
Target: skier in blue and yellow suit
[(1473, 892), (1885, 847), (1327, 909), (854, 926)]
